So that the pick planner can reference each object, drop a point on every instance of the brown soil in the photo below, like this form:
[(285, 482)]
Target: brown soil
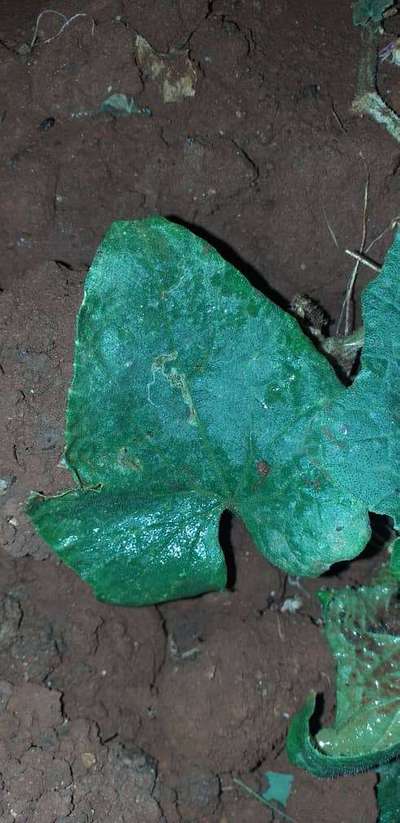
[(145, 715)]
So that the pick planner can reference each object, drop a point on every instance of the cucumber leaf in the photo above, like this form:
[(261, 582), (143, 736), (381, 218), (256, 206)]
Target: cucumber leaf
[(362, 627), (192, 393)]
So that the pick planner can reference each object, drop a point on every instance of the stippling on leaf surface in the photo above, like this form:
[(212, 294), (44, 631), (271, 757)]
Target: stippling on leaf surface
[(192, 393)]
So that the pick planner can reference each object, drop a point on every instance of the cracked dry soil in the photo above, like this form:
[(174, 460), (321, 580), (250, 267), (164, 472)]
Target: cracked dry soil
[(145, 715)]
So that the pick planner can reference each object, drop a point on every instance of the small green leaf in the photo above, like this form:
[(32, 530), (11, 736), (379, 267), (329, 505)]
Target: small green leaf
[(279, 787), (192, 393), (121, 104), (388, 793), (370, 12), (362, 629)]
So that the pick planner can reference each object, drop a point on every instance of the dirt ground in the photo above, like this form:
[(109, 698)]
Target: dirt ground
[(125, 715)]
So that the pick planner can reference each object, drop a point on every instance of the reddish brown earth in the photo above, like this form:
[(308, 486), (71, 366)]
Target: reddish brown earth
[(145, 715)]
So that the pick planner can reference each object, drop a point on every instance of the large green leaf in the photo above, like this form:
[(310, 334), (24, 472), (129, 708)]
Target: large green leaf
[(362, 627), (192, 393)]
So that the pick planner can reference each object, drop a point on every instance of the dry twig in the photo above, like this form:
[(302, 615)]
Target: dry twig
[(67, 22), (347, 303)]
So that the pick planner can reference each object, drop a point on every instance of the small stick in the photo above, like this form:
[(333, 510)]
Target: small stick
[(350, 288), (261, 799), (337, 118), (280, 631), (392, 225), (330, 229), (342, 310), (346, 307), (362, 259)]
